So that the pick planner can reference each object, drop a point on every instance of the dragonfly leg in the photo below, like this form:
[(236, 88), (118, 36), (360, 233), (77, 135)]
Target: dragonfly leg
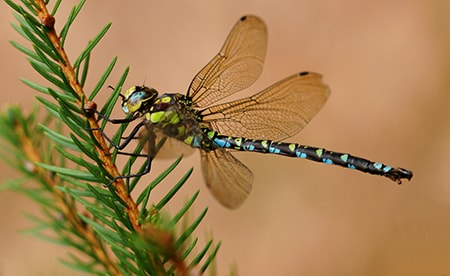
[(150, 148), (90, 109), (147, 168), (131, 154), (127, 139), (103, 117)]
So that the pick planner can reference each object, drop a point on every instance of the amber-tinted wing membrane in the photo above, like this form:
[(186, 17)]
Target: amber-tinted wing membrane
[(278, 112), (172, 148), (237, 66), (227, 178)]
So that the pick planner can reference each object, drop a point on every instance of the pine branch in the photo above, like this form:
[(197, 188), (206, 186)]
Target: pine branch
[(67, 155)]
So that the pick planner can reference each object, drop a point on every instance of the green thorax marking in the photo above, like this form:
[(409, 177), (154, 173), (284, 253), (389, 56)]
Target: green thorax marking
[(173, 115)]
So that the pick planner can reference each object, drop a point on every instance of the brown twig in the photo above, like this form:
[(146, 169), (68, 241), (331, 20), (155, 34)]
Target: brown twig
[(103, 148)]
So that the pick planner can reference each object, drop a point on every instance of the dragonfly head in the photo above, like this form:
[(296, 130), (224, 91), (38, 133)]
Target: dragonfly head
[(138, 99)]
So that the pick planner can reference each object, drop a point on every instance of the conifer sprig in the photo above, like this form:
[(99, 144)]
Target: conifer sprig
[(67, 155)]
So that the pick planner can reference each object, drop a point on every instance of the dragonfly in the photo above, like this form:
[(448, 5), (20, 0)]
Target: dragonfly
[(255, 124)]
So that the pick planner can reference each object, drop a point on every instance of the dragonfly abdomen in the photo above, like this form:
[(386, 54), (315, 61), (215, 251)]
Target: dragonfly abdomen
[(312, 153)]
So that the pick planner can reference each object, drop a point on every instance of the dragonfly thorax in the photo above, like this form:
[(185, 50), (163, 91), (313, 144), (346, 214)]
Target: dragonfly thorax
[(253, 124), (174, 116), (138, 99)]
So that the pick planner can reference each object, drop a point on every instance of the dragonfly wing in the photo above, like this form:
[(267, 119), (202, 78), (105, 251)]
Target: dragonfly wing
[(227, 178), (171, 147), (237, 66), (278, 112)]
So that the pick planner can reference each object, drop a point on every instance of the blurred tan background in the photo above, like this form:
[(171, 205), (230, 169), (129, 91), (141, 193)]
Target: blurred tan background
[(388, 66)]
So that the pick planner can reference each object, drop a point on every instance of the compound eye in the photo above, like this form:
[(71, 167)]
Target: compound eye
[(135, 97), (125, 109), (134, 102)]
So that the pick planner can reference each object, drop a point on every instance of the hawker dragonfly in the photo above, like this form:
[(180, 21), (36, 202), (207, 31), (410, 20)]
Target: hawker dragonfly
[(256, 124)]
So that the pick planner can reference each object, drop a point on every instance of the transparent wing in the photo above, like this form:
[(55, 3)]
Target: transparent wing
[(237, 66), (278, 112), (172, 148), (227, 178)]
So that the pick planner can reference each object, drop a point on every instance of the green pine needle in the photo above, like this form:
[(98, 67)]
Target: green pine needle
[(68, 167)]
